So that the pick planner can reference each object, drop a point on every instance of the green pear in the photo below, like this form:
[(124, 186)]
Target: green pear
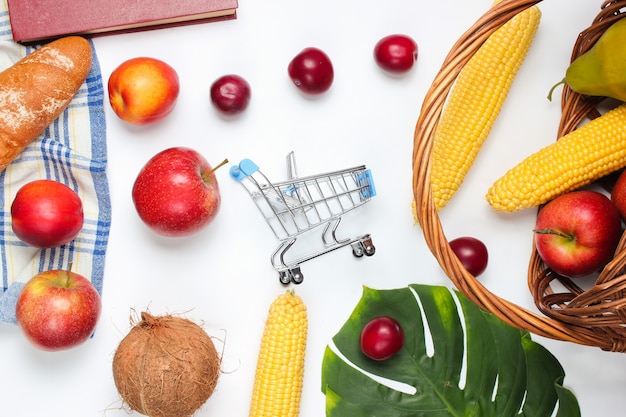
[(601, 71)]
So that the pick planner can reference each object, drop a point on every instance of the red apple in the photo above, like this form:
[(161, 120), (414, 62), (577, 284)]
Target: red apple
[(576, 234), (618, 194), (143, 90), (176, 193), (46, 213), (58, 309)]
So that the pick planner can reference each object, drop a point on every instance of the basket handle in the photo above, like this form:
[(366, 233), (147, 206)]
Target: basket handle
[(426, 213)]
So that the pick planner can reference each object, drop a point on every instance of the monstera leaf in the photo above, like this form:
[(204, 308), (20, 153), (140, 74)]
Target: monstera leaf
[(457, 360)]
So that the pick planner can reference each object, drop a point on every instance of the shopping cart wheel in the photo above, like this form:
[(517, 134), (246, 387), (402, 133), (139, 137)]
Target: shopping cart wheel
[(368, 247), (363, 247), (358, 249), (296, 275), (284, 277)]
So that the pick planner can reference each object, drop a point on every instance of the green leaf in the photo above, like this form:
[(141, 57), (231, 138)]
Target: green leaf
[(457, 360)]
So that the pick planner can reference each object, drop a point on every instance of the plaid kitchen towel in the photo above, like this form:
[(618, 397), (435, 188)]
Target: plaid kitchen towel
[(73, 151)]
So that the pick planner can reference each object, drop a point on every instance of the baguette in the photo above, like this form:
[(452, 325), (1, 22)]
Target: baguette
[(35, 90)]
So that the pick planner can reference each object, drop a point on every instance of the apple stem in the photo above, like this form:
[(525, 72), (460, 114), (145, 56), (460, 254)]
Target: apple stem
[(221, 164), (554, 232), (68, 279), (68, 275)]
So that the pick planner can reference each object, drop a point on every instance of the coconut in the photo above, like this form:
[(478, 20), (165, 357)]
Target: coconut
[(166, 366)]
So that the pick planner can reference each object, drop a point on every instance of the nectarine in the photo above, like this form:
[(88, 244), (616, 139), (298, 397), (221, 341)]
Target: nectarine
[(143, 90)]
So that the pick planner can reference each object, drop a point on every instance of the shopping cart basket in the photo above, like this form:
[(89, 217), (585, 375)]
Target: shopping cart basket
[(299, 205)]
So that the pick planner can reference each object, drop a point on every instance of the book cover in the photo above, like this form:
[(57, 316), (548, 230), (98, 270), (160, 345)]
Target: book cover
[(35, 20)]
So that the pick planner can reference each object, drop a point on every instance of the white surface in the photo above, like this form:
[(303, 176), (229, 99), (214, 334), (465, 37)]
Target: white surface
[(222, 276)]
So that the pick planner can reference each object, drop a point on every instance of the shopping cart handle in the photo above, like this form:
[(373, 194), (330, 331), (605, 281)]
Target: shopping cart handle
[(245, 168), (365, 178)]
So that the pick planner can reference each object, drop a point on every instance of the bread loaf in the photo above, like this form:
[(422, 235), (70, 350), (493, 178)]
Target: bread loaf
[(36, 90)]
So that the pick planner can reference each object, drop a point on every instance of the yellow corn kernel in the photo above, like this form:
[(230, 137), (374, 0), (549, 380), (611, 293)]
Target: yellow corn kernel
[(588, 153), (476, 100), (280, 366)]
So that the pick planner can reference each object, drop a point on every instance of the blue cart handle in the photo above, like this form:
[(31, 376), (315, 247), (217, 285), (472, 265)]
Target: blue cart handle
[(366, 180), (245, 168)]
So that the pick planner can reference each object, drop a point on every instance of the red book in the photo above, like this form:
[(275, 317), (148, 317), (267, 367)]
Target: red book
[(35, 20)]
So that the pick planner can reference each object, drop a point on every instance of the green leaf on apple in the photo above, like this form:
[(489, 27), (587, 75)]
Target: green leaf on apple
[(457, 360)]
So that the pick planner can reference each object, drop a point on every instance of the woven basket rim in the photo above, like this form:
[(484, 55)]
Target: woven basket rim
[(575, 109)]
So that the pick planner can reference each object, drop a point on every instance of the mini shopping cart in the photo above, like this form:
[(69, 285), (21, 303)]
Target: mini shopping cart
[(299, 205)]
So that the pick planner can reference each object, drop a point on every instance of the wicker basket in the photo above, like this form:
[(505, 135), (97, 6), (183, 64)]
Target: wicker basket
[(593, 316)]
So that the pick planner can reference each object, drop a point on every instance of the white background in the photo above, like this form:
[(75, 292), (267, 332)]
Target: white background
[(222, 276)]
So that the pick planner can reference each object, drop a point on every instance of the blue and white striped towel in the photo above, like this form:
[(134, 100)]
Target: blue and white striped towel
[(72, 151)]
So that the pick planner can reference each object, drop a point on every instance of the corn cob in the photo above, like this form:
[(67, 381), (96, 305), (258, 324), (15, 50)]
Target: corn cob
[(280, 367), (475, 101), (588, 153)]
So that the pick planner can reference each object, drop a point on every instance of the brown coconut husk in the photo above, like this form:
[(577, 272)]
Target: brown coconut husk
[(166, 366)]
